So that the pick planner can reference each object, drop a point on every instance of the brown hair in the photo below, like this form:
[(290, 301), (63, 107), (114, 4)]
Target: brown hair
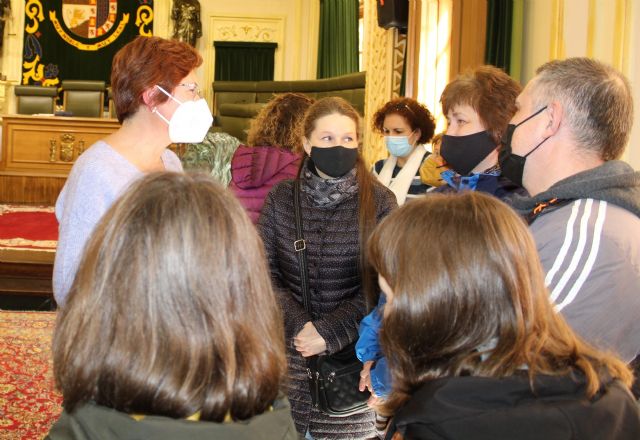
[(366, 202), (172, 310), (597, 102), (277, 123), (478, 282), (144, 63), (416, 115), (490, 92)]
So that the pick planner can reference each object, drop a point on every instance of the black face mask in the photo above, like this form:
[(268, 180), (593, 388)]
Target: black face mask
[(334, 161), (464, 153), (512, 165)]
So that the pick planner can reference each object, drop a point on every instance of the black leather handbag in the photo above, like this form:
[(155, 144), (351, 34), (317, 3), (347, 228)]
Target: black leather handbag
[(334, 378)]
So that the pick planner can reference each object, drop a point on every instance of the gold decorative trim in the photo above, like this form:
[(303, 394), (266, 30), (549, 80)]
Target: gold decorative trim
[(557, 49), (9, 209), (622, 39), (88, 47), (245, 33), (399, 54), (378, 56), (591, 28), (144, 16), (21, 242)]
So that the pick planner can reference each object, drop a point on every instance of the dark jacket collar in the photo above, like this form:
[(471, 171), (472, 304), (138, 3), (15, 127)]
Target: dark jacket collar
[(93, 422)]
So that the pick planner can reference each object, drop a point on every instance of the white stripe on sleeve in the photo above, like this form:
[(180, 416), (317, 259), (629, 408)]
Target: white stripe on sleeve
[(568, 238), (586, 270), (582, 240)]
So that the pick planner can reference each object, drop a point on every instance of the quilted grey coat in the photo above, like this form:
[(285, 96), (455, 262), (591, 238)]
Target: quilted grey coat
[(333, 250)]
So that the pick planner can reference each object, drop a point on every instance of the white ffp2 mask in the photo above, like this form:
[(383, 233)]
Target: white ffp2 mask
[(190, 122)]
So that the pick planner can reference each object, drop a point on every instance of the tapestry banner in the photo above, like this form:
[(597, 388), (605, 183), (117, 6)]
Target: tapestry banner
[(77, 39)]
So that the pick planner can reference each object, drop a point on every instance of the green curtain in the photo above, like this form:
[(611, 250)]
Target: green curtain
[(244, 61), (338, 41), (499, 27), (517, 30)]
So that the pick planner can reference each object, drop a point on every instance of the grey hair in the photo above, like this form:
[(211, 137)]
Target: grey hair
[(597, 102)]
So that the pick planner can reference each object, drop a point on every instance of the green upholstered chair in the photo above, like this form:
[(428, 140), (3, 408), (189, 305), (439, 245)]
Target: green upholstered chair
[(83, 98), (112, 105), (35, 99), (237, 102)]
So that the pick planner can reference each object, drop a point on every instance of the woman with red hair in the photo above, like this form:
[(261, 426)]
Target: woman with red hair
[(157, 102), (478, 106)]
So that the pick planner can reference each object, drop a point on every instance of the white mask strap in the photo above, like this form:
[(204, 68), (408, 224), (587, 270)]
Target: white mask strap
[(155, 110), (169, 94)]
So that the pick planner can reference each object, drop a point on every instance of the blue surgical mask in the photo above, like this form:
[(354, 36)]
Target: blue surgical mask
[(398, 146)]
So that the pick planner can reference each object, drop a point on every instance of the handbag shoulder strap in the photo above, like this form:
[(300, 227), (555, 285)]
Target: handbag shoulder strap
[(300, 247)]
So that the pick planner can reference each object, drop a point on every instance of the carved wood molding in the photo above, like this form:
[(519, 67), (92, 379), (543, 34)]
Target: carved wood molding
[(254, 29), (378, 62), (399, 53)]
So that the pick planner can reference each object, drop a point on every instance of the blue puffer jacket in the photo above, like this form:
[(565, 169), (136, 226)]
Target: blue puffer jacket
[(368, 349)]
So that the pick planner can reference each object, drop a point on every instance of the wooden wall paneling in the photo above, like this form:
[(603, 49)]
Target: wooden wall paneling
[(30, 190), (38, 153), (468, 35)]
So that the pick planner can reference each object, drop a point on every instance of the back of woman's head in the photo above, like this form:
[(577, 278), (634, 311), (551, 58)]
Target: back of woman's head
[(490, 92), (171, 311), (466, 282), (278, 122)]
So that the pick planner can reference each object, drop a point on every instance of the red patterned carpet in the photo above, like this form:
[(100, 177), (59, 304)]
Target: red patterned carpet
[(28, 402)]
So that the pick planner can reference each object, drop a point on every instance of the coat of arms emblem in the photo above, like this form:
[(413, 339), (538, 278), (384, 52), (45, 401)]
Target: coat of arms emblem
[(89, 18)]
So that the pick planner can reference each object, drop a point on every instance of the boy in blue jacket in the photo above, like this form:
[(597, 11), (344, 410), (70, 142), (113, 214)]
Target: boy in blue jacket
[(374, 375)]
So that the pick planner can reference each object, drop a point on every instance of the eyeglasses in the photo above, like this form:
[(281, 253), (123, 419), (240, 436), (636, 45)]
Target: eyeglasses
[(193, 88), (403, 107)]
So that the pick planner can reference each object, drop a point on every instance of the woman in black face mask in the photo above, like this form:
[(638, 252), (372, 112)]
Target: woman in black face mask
[(340, 203), (478, 106)]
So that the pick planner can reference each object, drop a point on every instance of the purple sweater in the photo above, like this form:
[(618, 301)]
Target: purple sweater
[(255, 170)]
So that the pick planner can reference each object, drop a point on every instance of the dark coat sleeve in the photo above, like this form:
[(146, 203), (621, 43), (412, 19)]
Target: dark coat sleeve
[(296, 315), (340, 328)]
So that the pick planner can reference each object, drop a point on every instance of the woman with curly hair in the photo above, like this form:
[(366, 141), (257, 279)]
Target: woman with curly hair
[(406, 125), (473, 344), (272, 153)]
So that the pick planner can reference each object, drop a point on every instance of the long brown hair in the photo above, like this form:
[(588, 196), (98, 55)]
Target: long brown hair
[(277, 123), (366, 201), (172, 310), (477, 284)]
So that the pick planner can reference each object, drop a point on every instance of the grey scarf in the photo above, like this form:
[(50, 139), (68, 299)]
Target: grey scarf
[(327, 192)]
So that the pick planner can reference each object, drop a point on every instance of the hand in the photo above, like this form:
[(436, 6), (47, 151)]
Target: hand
[(309, 342), (374, 401), (365, 377)]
